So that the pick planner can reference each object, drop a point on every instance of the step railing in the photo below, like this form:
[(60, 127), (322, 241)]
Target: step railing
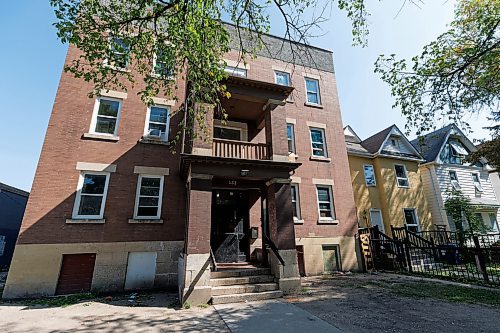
[(240, 149)]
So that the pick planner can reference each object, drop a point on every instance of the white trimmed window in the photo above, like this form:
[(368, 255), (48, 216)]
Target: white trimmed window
[(454, 180), (106, 116), (411, 219), (119, 53), (295, 201), (290, 135), (369, 175), (148, 197), (236, 71), (91, 195), (157, 123), (161, 64), (325, 203), (312, 91), (477, 182), (318, 144), (282, 78), (401, 175)]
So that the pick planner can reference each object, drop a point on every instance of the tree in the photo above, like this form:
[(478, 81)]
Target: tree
[(455, 75), (459, 208), (183, 38)]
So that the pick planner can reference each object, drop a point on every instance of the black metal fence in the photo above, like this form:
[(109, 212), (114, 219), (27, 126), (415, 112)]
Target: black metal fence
[(458, 256)]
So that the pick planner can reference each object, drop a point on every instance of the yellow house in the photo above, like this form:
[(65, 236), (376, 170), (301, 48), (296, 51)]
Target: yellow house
[(386, 181)]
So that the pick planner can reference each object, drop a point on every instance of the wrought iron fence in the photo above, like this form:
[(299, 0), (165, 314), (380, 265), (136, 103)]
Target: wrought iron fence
[(458, 256)]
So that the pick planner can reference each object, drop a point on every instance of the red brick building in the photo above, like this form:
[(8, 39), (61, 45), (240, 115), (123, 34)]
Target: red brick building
[(112, 209)]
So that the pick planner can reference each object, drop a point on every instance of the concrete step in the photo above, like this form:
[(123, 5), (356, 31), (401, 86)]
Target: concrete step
[(241, 280), (246, 297), (244, 288), (240, 272)]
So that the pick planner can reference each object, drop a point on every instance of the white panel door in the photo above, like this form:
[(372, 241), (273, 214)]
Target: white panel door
[(376, 219), (141, 270)]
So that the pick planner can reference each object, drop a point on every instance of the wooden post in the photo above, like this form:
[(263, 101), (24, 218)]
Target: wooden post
[(480, 259)]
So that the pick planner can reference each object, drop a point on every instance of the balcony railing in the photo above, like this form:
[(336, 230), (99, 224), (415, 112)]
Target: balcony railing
[(240, 149)]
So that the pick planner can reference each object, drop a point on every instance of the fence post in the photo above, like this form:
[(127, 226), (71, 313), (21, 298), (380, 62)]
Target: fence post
[(480, 259), (407, 251)]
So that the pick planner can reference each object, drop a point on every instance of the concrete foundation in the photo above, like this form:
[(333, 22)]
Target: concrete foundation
[(194, 279)]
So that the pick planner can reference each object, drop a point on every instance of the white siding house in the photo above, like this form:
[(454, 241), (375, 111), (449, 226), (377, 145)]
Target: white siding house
[(444, 169)]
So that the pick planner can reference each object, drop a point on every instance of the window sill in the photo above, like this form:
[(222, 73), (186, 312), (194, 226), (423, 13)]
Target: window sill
[(296, 221), (85, 221), (118, 69), (159, 76), (313, 105), (145, 221), (154, 142), (103, 137), (328, 221), (320, 159)]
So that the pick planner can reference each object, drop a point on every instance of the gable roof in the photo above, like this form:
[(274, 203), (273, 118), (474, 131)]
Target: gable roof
[(375, 142), (350, 135), (7, 188)]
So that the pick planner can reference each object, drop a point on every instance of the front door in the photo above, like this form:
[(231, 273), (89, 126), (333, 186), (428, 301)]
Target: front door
[(229, 240), (376, 219)]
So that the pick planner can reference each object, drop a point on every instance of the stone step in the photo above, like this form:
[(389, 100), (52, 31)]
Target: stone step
[(240, 272), (244, 288), (246, 297), (241, 280)]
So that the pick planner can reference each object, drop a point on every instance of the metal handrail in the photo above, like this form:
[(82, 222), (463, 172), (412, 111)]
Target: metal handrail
[(274, 249), (212, 258)]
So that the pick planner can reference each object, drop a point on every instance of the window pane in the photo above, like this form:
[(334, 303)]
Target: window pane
[(400, 171), (108, 108), (294, 193), (369, 175), (283, 78), (409, 216), (93, 184), (150, 186), (158, 115), (403, 182), (119, 52), (227, 133), (105, 125), (316, 136), (312, 98), (289, 134), (90, 205), (157, 128), (326, 213), (147, 211), (312, 85), (453, 175), (148, 202), (323, 194)]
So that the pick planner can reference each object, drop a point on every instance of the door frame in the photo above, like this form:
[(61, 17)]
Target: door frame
[(381, 218)]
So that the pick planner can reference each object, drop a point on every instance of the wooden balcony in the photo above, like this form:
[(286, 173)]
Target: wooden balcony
[(240, 149)]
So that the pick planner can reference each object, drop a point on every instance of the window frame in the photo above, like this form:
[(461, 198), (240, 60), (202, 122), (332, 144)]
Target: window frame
[(95, 114), (138, 195), (477, 185), (232, 70), (306, 78), (171, 76), (374, 177), (331, 203), (297, 219), (276, 72), (108, 58), (323, 135), (415, 218), (401, 178), (167, 124), (78, 196), (454, 182), (493, 222), (292, 139)]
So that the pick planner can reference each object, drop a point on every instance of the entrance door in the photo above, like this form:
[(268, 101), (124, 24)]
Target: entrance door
[(229, 239), (76, 273), (376, 219)]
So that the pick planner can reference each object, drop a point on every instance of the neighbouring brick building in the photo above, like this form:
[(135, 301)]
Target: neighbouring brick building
[(112, 209)]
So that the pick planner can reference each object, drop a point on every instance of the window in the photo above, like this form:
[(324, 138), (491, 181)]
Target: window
[(369, 175), (395, 142), (401, 175), (106, 116), (312, 91), (477, 182), (290, 134), (2, 244), (282, 78), (295, 201), (91, 195), (162, 63), (157, 126), (493, 222), (236, 71), (411, 219), (325, 202), (454, 180), (148, 197), (318, 142), (227, 133), (119, 53)]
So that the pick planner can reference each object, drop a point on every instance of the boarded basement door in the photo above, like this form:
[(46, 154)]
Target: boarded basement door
[(141, 270), (76, 273), (330, 258)]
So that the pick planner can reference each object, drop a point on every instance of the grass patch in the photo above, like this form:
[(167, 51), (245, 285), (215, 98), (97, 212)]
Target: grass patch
[(450, 293), (61, 301)]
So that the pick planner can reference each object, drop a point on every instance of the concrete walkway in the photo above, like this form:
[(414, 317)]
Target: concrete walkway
[(271, 316)]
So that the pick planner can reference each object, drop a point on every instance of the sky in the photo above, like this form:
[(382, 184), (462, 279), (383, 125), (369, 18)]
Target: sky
[(32, 59)]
